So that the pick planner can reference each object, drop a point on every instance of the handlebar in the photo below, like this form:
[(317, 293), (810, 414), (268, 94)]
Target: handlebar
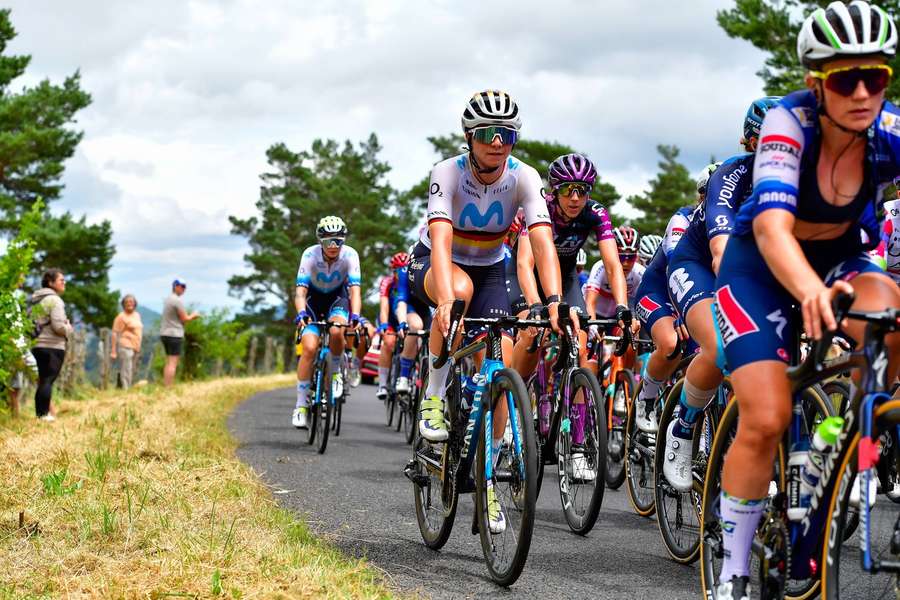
[(840, 306)]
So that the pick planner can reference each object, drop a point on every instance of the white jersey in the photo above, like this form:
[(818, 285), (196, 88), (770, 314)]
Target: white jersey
[(599, 282), (323, 277), (481, 214)]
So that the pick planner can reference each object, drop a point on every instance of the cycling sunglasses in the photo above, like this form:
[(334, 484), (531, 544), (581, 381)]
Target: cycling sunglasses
[(486, 135), (844, 80), (627, 257), (332, 242), (567, 189)]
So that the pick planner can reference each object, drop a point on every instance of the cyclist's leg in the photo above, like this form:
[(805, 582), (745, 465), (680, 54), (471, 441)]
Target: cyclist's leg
[(388, 342), (658, 368), (338, 313), (410, 348)]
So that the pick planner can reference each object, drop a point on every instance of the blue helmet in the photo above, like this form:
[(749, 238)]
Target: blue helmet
[(755, 114)]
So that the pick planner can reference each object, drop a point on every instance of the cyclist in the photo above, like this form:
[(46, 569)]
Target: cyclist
[(692, 281), (824, 157), (328, 283), (656, 314), (647, 248), (575, 217), (889, 249), (580, 264), (472, 201), (603, 301), (397, 315)]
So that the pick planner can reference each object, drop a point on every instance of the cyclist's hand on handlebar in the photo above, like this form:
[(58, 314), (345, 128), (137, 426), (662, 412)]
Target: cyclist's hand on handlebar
[(353, 320), (402, 328), (303, 317), (817, 311), (382, 328), (553, 307), (623, 316), (442, 315), (575, 314)]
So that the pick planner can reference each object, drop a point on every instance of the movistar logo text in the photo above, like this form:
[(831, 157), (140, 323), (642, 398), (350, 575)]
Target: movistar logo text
[(329, 277), (475, 218)]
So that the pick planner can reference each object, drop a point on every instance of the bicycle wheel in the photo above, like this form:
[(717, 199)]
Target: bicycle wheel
[(323, 423), (677, 512), (540, 443), (514, 485), (435, 497), (319, 385), (389, 403), (842, 573), (581, 486), (419, 377), (639, 447), (771, 545), (338, 411), (615, 456)]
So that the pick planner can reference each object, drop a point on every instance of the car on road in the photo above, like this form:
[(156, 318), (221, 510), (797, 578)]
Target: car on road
[(369, 367)]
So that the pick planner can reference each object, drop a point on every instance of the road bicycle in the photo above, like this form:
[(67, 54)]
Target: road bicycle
[(408, 403), (618, 382), (327, 393), (440, 472), (556, 389)]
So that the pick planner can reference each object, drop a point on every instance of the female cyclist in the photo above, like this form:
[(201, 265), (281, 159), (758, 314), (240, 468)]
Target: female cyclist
[(824, 157)]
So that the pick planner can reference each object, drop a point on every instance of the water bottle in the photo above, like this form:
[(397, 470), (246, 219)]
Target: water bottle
[(806, 467)]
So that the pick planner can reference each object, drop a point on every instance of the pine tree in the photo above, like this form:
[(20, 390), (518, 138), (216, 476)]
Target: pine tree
[(672, 188)]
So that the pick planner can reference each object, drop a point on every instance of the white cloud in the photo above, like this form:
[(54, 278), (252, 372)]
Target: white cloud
[(188, 95)]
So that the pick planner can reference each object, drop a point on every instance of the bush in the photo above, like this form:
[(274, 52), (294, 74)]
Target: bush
[(211, 338)]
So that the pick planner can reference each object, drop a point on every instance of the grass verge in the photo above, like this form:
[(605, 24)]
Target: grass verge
[(139, 494)]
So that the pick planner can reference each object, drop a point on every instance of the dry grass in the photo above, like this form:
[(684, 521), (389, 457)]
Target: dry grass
[(139, 494)]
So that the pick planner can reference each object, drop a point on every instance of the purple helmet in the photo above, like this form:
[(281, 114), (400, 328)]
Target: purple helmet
[(571, 167)]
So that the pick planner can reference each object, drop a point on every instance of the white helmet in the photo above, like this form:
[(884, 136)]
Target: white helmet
[(842, 30), (703, 178), (581, 258), (491, 107), (649, 244), (331, 226)]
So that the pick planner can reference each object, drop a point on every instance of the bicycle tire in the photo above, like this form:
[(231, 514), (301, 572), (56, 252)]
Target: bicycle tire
[(338, 413), (639, 461), (711, 544), (581, 522), (540, 442), (522, 492), (886, 417), (420, 379), (318, 386), (615, 456), (435, 520), (324, 422)]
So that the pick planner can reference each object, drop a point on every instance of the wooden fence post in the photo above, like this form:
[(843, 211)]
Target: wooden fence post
[(267, 356), (251, 358), (220, 364), (103, 349)]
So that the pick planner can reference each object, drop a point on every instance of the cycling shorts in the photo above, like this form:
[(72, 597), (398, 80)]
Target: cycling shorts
[(325, 307), (754, 313), (690, 277), (571, 288), (489, 298)]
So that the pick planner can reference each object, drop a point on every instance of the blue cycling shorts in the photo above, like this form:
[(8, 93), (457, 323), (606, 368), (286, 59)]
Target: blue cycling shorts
[(754, 312), (325, 307), (690, 276)]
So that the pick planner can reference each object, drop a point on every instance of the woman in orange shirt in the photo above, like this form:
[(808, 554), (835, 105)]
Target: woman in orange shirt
[(125, 345)]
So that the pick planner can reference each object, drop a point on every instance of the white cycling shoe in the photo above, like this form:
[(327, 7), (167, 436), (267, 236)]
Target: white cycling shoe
[(431, 420), (403, 385), (299, 418), (644, 421), (736, 589), (677, 461), (382, 393), (580, 470)]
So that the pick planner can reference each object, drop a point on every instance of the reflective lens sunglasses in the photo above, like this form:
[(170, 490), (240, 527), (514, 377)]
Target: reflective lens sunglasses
[(627, 257), (332, 242), (844, 80), (567, 189), (486, 135)]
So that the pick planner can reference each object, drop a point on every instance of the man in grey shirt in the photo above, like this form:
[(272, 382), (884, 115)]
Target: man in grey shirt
[(171, 329)]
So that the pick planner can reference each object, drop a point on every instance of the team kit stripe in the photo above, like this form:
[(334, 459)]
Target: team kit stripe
[(648, 304), (781, 138), (734, 313)]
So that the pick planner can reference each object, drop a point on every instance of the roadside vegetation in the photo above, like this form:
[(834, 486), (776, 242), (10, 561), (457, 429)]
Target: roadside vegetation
[(139, 494)]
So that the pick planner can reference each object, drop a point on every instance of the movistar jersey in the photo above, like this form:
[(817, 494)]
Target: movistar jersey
[(784, 171), (321, 276), (482, 214)]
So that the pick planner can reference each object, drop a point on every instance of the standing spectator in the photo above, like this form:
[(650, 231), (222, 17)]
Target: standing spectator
[(171, 329), (125, 344), (53, 328), (28, 363)]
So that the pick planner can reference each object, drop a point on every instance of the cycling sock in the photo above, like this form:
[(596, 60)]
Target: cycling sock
[(650, 388), (382, 376), (437, 378), (406, 365), (692, 402), (579, 411), (302, 393), (739, 520)]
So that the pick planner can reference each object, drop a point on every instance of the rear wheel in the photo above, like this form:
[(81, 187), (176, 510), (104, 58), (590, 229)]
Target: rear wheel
[(436, 500), (534, 394), (581, 486), (639, 447), (319, 384), (514, 484), (419, 379), (615, 457)]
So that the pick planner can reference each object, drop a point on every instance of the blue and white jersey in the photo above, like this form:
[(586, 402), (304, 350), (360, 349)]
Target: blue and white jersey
[(784, 170), (323, 277)]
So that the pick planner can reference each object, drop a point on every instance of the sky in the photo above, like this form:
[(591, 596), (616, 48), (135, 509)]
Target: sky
[(188, 95)]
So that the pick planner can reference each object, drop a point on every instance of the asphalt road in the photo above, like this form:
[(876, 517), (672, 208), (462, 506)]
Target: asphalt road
[(356, 496)]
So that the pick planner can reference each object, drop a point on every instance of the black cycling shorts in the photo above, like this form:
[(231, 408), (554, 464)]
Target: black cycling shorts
[(571, 289)]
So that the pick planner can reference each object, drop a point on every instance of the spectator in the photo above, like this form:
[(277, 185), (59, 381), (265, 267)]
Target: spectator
[(125, 344), (28, 363), (171, 329), (53, 330)]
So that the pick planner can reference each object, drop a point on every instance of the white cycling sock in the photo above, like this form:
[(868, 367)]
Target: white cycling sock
[(650, 388), (739, 521), (302, 393), (382, 376), (437, 378)]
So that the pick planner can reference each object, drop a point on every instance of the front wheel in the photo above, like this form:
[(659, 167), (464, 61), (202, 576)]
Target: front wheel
[(615, 457), (512, 486), (639, 458), (581, 452), (419, 377)]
